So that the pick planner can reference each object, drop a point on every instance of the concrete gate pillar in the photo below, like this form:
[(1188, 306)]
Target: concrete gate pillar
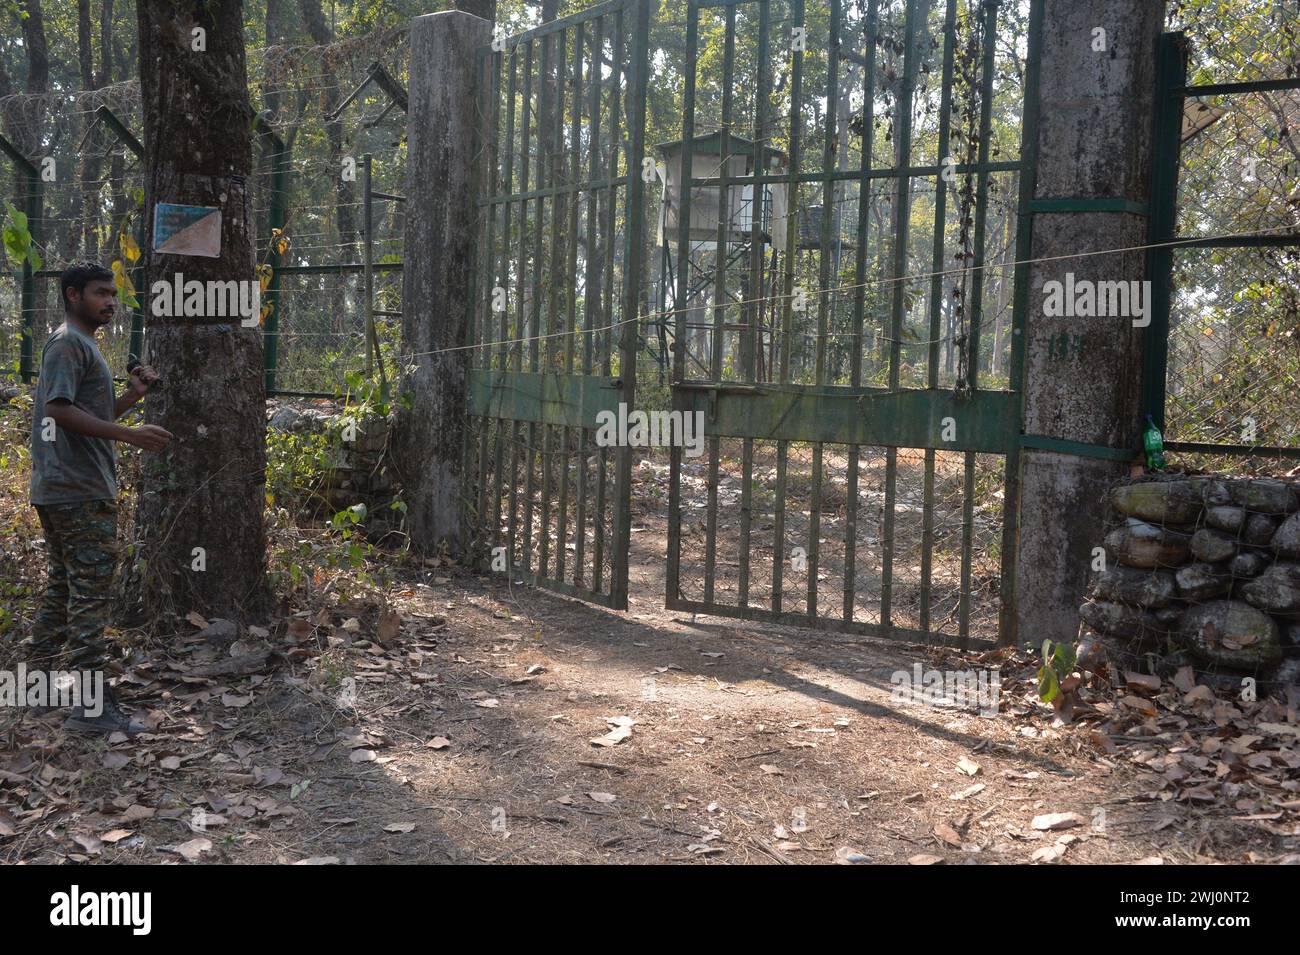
[(1083, 375), (443, 169)]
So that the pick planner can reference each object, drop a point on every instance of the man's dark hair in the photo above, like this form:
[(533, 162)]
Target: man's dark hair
[(78, 276)]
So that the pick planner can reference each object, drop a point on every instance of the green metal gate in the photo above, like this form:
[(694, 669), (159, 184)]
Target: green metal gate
[(554, 329), (835, 432), (1215, 385)]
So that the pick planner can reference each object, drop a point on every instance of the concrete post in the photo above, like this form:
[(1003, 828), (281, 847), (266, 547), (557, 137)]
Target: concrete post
[(1083, 374), (442, 173)]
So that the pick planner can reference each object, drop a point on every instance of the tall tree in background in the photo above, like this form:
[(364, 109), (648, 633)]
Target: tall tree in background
[(319, 29), (200, 513), (89, 166), (24, 119), (487, 9)]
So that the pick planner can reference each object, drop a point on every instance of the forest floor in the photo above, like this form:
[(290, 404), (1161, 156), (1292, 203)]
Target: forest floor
[(459, 718)]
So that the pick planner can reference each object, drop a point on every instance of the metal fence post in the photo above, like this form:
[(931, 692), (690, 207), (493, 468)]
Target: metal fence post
[(1171, 63), (33, 209), (31, 178), (274, 220), (367, 261)]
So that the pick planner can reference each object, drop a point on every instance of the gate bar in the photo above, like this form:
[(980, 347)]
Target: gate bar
[(860, 295), (680, 294), (1171, 78), (936, 304), (633, 255), (787, 307)]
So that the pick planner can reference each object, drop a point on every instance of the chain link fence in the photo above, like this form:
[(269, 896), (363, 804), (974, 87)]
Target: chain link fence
[(322, 109)]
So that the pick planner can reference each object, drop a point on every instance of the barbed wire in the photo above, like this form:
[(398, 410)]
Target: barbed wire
[(888, 281)]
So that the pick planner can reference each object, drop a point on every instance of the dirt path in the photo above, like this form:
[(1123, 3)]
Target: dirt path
[(466, 736), (747, 744)]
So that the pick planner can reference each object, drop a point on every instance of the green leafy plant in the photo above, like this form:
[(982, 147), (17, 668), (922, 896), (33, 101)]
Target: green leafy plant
[(121, 266), (18, 239), (1056, 675)]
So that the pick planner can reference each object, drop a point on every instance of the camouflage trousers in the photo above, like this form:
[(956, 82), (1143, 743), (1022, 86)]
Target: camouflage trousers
[(81, 543)]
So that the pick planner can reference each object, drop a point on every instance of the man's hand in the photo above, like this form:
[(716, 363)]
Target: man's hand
[(142, 376), (71, 418), (150, 437)]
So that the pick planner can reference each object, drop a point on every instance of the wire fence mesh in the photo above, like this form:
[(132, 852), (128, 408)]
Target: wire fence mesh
[(90, 186), (1234, 330)]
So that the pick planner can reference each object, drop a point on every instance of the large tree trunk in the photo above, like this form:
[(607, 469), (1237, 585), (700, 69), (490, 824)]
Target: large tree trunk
[(206, 490)]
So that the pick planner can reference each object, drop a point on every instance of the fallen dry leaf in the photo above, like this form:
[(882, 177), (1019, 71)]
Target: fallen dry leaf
[(1057, 820), (92, 844), (1048, 853), (191, 850), (948, 834), (1145, 680), (613, 737), (846, 855), (390, 624), (1281, 729), (134, 813), (1141, 704)]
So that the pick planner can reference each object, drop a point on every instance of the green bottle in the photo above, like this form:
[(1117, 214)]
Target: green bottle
[(1154, 443)]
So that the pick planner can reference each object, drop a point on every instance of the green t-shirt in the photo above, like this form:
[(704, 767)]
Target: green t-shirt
[(69, 467)]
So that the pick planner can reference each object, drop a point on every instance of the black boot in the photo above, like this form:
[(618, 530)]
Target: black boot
[(111, 718)]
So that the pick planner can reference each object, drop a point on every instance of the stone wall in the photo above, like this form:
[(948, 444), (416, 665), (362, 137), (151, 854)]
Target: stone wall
[(1202, 570), (359, 471)]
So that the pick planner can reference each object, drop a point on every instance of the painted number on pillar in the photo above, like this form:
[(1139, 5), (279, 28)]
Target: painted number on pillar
[(1064, 347)]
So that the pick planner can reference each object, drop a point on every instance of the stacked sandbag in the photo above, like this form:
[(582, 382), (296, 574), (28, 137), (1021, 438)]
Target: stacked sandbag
[(1206, 567)]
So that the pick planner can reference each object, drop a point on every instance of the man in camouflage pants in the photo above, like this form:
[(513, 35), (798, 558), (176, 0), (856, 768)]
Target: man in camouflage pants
[(74, 485)]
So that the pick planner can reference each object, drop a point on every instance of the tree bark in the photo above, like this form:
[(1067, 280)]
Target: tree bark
[(38, 57), (202, 498), (105, 74)]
